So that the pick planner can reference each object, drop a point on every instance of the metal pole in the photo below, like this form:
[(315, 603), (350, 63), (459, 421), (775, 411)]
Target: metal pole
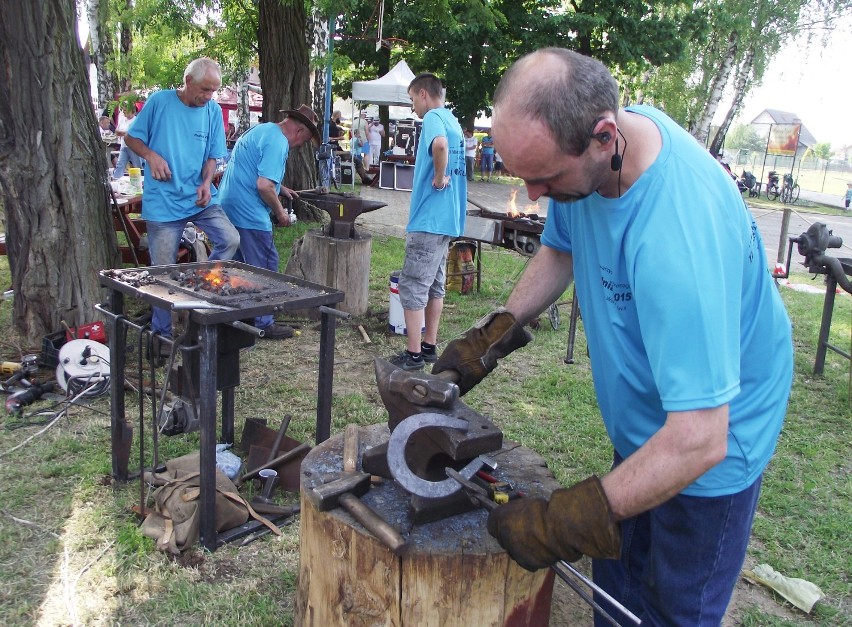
[(330, 55)]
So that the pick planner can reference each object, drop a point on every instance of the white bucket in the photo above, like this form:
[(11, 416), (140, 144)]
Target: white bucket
[(396, 316)]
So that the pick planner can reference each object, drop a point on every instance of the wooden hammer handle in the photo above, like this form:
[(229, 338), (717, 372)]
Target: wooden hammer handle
[(374, 523), (351, 446)]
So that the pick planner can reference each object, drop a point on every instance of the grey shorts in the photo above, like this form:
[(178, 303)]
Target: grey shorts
[(423, 273)]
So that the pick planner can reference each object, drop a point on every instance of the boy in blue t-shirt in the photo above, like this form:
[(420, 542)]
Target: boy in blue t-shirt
[(436, 216)]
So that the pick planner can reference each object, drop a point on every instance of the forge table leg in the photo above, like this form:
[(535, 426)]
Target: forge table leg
[(572, 328), (207, 336), (228, 415), (326, 372), (825, 326), (121, 432)]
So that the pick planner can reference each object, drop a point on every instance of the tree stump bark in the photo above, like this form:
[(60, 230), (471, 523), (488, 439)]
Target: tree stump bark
[(343, 264), (451, 572)]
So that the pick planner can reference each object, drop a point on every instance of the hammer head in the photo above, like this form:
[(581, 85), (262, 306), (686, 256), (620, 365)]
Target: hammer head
[(405, 393), (326, 496)]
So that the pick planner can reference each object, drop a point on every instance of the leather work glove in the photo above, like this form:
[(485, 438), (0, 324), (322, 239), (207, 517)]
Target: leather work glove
[(576, 521), (475, 354)]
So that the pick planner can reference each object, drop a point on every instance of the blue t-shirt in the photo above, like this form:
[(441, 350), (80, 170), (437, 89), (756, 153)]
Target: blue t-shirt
[(441, 212), (186, 137), (679, 310), (487, 150), (262, 151)]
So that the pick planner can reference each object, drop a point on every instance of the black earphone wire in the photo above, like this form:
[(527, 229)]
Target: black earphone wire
[(621, 161)]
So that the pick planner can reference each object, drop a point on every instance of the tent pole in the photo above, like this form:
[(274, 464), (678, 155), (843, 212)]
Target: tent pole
[(330, 52)]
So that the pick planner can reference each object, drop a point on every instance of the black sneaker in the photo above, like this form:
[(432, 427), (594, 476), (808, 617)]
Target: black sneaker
[(405, 361), (277, 331), (429, 357)]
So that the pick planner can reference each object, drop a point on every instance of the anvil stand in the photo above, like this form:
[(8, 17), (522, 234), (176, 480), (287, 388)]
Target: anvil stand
[(827, 311), (207, 343)]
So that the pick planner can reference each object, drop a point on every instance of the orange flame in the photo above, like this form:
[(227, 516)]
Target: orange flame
[(214, 277), (513, 208)]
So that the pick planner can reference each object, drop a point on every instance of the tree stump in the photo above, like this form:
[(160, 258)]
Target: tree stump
[(343, 264), (451, 572)]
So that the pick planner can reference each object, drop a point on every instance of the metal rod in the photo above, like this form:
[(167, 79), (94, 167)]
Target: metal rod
[(242, 326), (335, 312), (584, 595), (598, 590), (199, 304)]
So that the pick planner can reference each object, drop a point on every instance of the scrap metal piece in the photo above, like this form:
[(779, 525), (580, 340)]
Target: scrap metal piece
[(399, 466)]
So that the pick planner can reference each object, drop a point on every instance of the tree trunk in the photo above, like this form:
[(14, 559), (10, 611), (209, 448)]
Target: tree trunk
[(740, 90), (97, 12), (52, 169), (284, 72), (243, 110), (319, 28), (126, 43), (701, 128)]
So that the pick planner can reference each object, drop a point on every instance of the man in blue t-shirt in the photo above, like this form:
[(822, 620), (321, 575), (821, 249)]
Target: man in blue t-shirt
[(250, 191), (180, 134), (689, 342), (436, 216), (486, 163)]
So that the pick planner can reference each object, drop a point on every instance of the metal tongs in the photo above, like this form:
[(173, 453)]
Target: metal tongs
[(481, 498)]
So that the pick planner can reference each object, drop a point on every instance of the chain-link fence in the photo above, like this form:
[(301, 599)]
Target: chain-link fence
[(811, 173)]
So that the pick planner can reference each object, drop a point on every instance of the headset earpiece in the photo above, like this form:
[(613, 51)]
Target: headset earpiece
[(603, 137), (616, 161)]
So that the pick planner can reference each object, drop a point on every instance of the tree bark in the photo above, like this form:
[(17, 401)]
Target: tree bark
[(702, 126), (53, 169), (740, 90), (284, 72), (97, 12)]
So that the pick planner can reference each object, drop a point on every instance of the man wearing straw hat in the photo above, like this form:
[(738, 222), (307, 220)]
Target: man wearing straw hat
[(250, 189)]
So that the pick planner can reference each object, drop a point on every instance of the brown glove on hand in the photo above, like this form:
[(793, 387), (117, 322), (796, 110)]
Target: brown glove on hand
[(576, 521), (475, 355)]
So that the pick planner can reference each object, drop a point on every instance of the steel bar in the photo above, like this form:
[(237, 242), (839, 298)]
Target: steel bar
[(242, 326), (600, 591)]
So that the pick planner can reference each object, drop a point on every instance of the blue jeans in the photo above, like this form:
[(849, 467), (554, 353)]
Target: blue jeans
[(486, 164), (164, 241), (257, 248), (125, 156), (681, 560), (469, 165)]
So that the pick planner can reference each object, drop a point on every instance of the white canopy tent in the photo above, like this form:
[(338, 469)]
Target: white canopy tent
[(390, 89)]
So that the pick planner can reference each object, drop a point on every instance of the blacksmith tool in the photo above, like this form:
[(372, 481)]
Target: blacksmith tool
[(343, 209), (345, 490), (480, 496), (302, 448), (399, 443), (269, 476), (405, 394)]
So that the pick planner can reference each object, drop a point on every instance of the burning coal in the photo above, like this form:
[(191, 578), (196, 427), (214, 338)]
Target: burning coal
[(216, 281)]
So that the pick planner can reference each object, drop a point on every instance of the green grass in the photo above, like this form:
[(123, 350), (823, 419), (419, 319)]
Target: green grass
[(79, 554)]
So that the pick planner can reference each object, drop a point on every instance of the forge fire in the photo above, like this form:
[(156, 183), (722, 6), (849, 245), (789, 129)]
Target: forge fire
[(216, 281)]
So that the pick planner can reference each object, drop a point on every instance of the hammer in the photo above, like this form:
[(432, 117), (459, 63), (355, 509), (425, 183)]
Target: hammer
[(345, 490)]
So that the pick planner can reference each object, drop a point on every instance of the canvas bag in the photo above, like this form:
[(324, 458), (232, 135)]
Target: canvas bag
[(174, 523)]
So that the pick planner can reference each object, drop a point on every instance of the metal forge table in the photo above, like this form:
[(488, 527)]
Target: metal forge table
[(208, 331)]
